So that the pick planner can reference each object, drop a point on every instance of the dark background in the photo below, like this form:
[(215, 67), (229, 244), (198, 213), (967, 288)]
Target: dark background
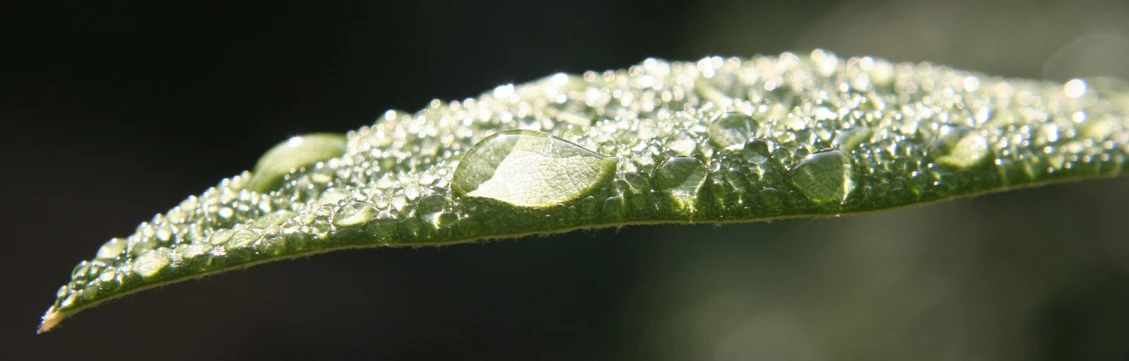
[(114, 111)]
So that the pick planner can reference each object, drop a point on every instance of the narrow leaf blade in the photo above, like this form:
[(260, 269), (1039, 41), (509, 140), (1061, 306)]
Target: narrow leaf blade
[(720, 140)]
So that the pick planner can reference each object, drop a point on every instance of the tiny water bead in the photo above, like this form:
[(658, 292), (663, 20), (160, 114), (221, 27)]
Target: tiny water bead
[(530, 169), (294, 153), (825, 177)]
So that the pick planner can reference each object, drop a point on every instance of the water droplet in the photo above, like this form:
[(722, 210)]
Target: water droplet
[(851, 138), (1046, 134), (354, 213), (69, 301), (614, 208), (108, 276), (241, 238), (296, 152), (530, 169), (825, 177), (1098, 128), (164, 234), (757, 151), (80, 270), (730, 131), (1074, 88), (111, 249), (151, 263), (682, 177), (771, 199), (220, 236), (273, 219), (681, 143), (331, 196), (960, 147), (636, 183), (431, 208), (193, 250), (589, 207), (795, 122)]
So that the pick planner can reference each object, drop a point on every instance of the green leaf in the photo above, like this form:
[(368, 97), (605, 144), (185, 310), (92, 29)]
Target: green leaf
[(720, 140)]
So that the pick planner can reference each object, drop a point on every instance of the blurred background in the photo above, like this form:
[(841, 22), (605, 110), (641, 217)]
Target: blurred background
[(114, 111)]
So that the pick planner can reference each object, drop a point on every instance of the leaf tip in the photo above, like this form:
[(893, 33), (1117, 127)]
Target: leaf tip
[(50, 320)]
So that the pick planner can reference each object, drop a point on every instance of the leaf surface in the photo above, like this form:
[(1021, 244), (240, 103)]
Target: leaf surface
[(716, 141)]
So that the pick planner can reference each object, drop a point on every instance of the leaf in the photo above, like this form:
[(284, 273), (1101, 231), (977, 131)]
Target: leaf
[(720, 140)]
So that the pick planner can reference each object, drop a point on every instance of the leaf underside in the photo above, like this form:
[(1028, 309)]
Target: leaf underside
[(719, 140)]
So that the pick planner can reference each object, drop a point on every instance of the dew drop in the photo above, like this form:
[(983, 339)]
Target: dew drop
[(431, 208), (849, 139), (614, 208), (960, 147), (294, 153), (1046, 134), (193, 250), (681, 177), (151, 263), (331, 196), (1074, 88), (354, 213), (242, 238), (164, 234), (730, 131), (530, 169), (80, 270), (1098, 128), (589, 207), (681, 143), (111, 249), (108, 276), (273, 219), (757, 151), (824, 177), (771, 199), (636, 183)]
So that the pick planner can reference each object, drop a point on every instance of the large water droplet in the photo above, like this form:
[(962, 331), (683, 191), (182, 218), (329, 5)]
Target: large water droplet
[(960, 147), (730, 131), (111, 249), (152, 262), (530, 169), (294, 153), (682, 177), (825, 177), (242, 238), (354, 213), (193, 250)]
